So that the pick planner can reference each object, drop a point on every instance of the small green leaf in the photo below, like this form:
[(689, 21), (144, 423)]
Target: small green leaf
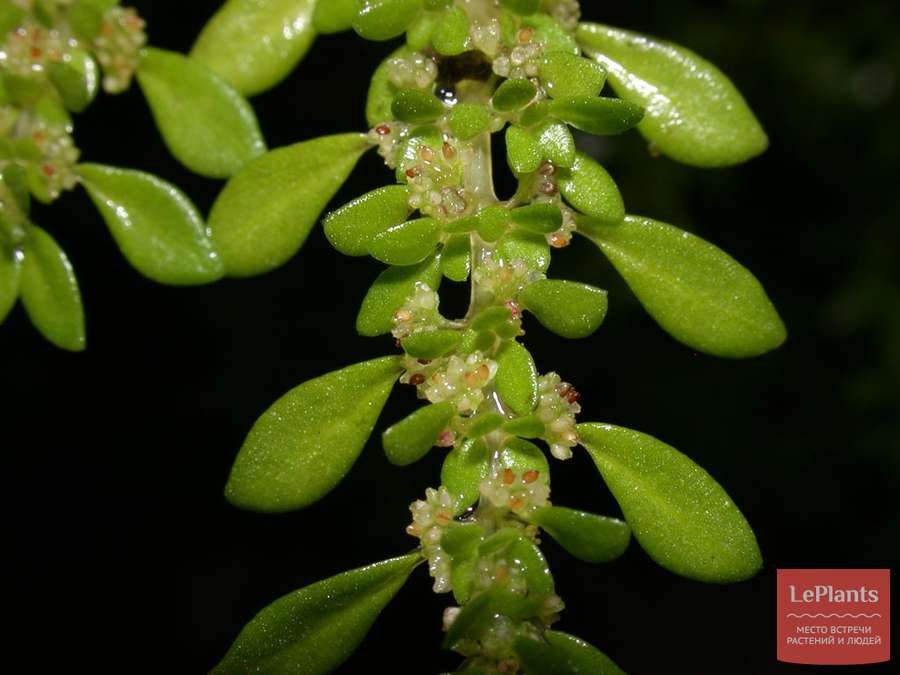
[(334, 16), (679, 514), (315, 629), (10, 17), (540, 218), (567, 308), (698, 293), (456, 257), (492, 222), (266, 211), (528, 246), (521, 6), (254, 44), (592, 538), (513, 94), (385, 19), (411, 438), (461, 541), (407, 243), (521, 456), (556, 143), (306, 442), (431, 344), (10, 270), (539, 658), (533, 565), (597, 115), (382, 90), (516, 379), (491, 317), (694, 115), (565, 74), (463, 471), (481, 611), (529, 426), (207, 125), (523, 153), (156, 226), (451, 32), (390, 291), (484, 423), (589, 188), (49, 291), (550, 33), (467, 120), (350, 229), (418, 34), (416, 107), (563, 654), (76, 79)]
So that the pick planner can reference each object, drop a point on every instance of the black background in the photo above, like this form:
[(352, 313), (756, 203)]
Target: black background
[(115, 459)]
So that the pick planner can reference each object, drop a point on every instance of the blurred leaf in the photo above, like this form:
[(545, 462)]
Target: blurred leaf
[(480, 613), (410, 439), (516, 379), (567, 308), (10, 270), (694, 113), (385, 19), (306, 442), (155, 225), (206, 124), (76, 79), (521, 6), (563, 654), (589, 188), (390, 291), (592, 538), (679, 514), (406, 243), (49, 292), (267, 210), (254, 44), (313, 630), (695, 291), (335, 16), (350, 229)]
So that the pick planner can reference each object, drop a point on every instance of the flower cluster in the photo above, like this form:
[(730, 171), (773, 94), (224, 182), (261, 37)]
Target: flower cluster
[(557, 407), (520, 493), (118, 47), (460, 379), (431, 517)]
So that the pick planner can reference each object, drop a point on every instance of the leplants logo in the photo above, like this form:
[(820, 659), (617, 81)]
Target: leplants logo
[(834, 617)]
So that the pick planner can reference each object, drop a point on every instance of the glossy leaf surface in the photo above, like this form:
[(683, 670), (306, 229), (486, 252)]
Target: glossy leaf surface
[(411, 438), (516, 379), (385, 19), (350, 229), (521, 456), (589, 188), (698, 293), (406, 243), (415, 107), (382, 90), (464, 468), (467, 120), (49, 291), (679, 514), (567, 308), (597, 115), (587, 536), (315, 629), (694, 113), (254, 44), (76, 79), (266, 211), (565, 74), (390, 291), (206, 124), (306, 441), (156, 226), (431, 344), (513, 94), (456, 257), (523, 153), (530, 247)]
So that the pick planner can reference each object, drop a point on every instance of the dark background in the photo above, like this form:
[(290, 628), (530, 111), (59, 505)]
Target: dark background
[(115, 459)]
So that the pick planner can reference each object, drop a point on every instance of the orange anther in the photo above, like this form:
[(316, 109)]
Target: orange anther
[(508, 476)]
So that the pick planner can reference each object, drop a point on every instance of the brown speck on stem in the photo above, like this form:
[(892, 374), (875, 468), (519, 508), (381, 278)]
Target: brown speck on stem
[(416, 379), (382, 130)]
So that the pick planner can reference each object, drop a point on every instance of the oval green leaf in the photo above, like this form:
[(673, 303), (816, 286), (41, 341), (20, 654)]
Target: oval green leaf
[(315, 629), (306, 442), (350, 229), (456, 257), (382, 90), (450, 35), (385, 19), (694, 113), (528, 246), (431, 344), (589, 188), (10, 270), (589, 537), (407, 243), (513, 94), (463, 471), (597, 115), (523, 153), (565, 74), (49, 291), (521, 456), (416, 107), (679, 514), (516, 378), (390, 291), (156, 226), (267, 210), (206, 124), (411, 438), (556, 143), (698, 293), (467, 120), (568, 308), (76, 79), (254, 44), (540, 218)]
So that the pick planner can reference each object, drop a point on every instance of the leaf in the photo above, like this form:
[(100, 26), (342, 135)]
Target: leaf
[(10, 271), (76, 79), (589, 188), (521, 6), (450, 35), (431, 344), (523, 153), (306, 442), (350, 229), (385, 19), (456, 258), (407, 243), (597, 115), (266, 211), (315, 629), (382, 90), (679, 514), (528, 246), (492, 222), (563, 654), (513, 94), (540, 218), (480, 612), (390, 291), (565, 74), (254, 44), (698, 293), (463, 471), (521, 456), (516, 379), (592, 538), (206, 124), (411, 438), (49, 291), (467, 120), (155, 225), (556, 143), (416, 107), (694, 113), (570, 309), (533, 566)]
